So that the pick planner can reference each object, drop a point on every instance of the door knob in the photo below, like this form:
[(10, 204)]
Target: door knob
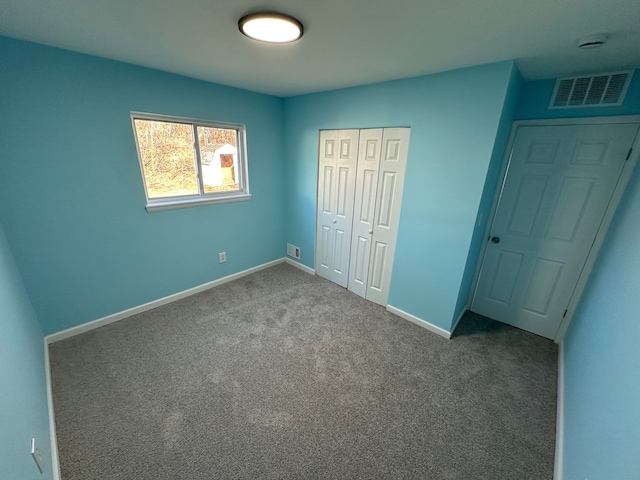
[(370, 232), (335, 221), (495, 239)]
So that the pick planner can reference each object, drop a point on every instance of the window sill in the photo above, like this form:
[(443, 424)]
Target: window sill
[(195, 202)]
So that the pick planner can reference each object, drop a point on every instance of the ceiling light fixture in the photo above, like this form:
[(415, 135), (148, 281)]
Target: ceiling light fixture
[(271, 27), (593, 41)]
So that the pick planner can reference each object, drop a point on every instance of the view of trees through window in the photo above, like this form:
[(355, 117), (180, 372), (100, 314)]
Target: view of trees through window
[(169, 162)]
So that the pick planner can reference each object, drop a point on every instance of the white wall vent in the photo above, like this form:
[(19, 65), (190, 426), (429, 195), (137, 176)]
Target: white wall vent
[(293, 251), (605, 89)]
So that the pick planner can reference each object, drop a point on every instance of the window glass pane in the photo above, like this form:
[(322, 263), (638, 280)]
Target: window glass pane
[(219, 159), (168, 158)]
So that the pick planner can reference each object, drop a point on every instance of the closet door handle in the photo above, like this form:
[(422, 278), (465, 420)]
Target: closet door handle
[(495, 239), (370, 232), (335, 221)]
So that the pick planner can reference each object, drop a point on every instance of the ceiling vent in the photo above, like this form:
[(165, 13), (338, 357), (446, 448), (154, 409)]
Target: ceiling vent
[(605, 89)]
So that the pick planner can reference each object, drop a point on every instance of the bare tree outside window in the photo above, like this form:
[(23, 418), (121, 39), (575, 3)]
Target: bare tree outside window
[(182, 159), (168, 158)]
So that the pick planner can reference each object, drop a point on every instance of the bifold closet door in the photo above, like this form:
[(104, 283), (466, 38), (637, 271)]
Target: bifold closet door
[(369, 148), (391, 173), (336, 184), (360, 181)]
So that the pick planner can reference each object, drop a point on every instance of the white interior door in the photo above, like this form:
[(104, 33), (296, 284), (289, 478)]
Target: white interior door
[(558, 185), (369, 148), (336, 185), (393, 161)]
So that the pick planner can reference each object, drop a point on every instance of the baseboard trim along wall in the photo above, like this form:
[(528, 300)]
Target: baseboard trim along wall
[(418, 321), (299, 265), (53, 439), (558, 464), (85, 327)]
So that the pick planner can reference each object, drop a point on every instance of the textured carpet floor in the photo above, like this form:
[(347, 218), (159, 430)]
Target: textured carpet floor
[(285, 375)]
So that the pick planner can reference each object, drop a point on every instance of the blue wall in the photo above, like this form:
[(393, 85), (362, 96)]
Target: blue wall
[(602, 358), (454, 119), (488, 193), (23, 397), (71, 194)]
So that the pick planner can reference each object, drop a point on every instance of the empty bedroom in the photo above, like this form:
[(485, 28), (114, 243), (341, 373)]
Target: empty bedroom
[(338, 240)]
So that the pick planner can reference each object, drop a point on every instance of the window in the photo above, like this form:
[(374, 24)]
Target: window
[(188, 162)]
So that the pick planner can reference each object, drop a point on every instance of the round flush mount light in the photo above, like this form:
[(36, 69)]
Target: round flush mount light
[(593, 41), (271, 27)]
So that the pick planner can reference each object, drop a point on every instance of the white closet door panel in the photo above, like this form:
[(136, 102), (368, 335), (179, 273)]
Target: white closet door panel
[(324, 250), (391, 173), (326, 207), (359, 264), (365, 203), (336, 186), (378, 260)]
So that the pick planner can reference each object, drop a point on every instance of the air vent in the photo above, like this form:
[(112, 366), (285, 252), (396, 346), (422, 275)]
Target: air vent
[(605, 89)]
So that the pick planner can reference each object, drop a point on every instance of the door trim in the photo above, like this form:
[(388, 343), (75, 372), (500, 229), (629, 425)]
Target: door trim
[(625, 176)]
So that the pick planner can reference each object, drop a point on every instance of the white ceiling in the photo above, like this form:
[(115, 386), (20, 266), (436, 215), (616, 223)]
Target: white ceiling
[(346, 42)]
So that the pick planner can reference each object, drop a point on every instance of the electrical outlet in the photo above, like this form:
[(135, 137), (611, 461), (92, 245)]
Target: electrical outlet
[(293, 251), (36, 454), (222, 256)]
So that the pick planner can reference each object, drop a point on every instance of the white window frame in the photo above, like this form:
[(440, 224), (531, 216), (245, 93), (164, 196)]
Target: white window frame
[(201, 198)]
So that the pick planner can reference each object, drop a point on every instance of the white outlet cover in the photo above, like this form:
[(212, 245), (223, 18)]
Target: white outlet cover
[(37, 455)]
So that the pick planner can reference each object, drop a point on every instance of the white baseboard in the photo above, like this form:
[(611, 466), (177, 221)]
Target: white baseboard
[(85, 327), (53, 439), (558, 464), (418, 321), (455, 325), (299, 265)]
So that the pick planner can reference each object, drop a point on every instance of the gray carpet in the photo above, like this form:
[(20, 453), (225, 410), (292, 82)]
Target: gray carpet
[(285, 375)]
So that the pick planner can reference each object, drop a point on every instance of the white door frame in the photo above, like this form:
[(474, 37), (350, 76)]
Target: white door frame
[(627, 170)]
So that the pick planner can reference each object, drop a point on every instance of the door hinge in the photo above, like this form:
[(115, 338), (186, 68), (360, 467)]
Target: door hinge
[(565, 313), (629, 154)]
